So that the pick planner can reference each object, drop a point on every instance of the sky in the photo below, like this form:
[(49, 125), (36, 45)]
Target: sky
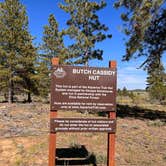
[(128, 74)]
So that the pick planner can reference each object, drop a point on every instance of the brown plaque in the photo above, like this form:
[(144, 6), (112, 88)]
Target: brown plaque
[(82, 125), (83, 88)]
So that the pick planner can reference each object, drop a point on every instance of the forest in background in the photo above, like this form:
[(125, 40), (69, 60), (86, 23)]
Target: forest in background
[(25, 77), (25, 68)]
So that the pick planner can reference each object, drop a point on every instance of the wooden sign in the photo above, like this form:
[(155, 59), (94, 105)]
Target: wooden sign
[(83, 88), (82, 125)]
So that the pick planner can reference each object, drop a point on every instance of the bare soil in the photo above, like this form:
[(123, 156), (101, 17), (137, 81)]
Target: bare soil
[(24, 131)]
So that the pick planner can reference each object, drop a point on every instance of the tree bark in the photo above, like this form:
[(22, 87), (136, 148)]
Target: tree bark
[(5, 97), (29, 97), (9, 95), (10, 91)]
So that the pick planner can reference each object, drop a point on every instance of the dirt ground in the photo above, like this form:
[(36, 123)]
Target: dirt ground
[(24, 129)]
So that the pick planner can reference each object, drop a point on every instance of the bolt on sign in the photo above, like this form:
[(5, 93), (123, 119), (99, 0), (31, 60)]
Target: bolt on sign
[(83, 88)]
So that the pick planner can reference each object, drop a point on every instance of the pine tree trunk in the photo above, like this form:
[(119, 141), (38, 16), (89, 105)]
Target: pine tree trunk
[(5, 97), (29, 97), (9, 95), (10, 92)]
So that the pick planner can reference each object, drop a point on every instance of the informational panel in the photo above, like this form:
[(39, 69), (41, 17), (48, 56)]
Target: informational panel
[(83, 125), (83, 88)]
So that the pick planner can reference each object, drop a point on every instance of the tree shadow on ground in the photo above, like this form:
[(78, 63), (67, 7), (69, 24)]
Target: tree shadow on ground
[(124, 111), (75, 156), (140, 113)]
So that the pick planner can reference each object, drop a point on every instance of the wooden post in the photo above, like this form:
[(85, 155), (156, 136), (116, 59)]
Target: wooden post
[(111, 137), (52, 137)]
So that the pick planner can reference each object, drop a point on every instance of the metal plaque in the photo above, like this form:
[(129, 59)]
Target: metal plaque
[(82, 125), (83, 88)]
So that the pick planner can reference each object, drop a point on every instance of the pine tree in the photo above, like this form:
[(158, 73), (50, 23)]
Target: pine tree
[(155, 44), (145, 27), (17, 54), (146, 30), (124, 91), (53, 45), (43, 79), (27, 72), (84, 30), (156, 83)]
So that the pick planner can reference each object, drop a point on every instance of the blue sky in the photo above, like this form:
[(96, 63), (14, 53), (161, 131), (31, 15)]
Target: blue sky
[(128, 76)]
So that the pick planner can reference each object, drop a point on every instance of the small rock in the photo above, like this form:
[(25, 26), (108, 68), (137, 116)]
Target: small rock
[(3, 107), (30, 116), (124, 125), (7, 135), (117, 156)]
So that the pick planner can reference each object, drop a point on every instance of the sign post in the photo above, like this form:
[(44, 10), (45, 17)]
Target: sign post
[(83, 88), (111, 136), (52, 136)]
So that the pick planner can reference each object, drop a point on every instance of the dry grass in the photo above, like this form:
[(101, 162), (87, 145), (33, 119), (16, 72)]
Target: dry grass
[(139, 141)]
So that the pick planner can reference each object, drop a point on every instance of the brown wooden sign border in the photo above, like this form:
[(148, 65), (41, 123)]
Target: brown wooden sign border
[(111, 136)]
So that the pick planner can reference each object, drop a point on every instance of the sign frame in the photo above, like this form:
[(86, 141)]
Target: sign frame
[(72, 88), (111, 135)]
